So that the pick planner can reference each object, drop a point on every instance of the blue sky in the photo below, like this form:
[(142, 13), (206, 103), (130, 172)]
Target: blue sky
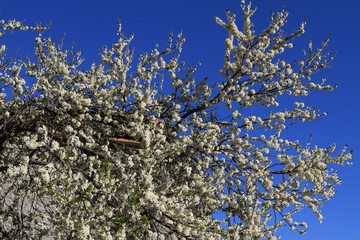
[(92, 24)]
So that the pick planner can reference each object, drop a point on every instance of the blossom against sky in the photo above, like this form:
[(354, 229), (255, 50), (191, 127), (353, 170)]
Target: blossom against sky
[(92, 24)]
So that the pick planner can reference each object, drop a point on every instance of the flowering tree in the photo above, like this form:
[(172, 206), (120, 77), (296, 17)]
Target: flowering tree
[(116, 153)]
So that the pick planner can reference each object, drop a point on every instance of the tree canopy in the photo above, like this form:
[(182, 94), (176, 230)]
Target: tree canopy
[(141, 149)]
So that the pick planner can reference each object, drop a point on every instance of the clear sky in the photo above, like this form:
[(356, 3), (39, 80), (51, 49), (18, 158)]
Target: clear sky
[(92, 24)]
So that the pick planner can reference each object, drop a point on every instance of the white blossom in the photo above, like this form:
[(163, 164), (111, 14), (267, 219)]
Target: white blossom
[(113, 155)]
